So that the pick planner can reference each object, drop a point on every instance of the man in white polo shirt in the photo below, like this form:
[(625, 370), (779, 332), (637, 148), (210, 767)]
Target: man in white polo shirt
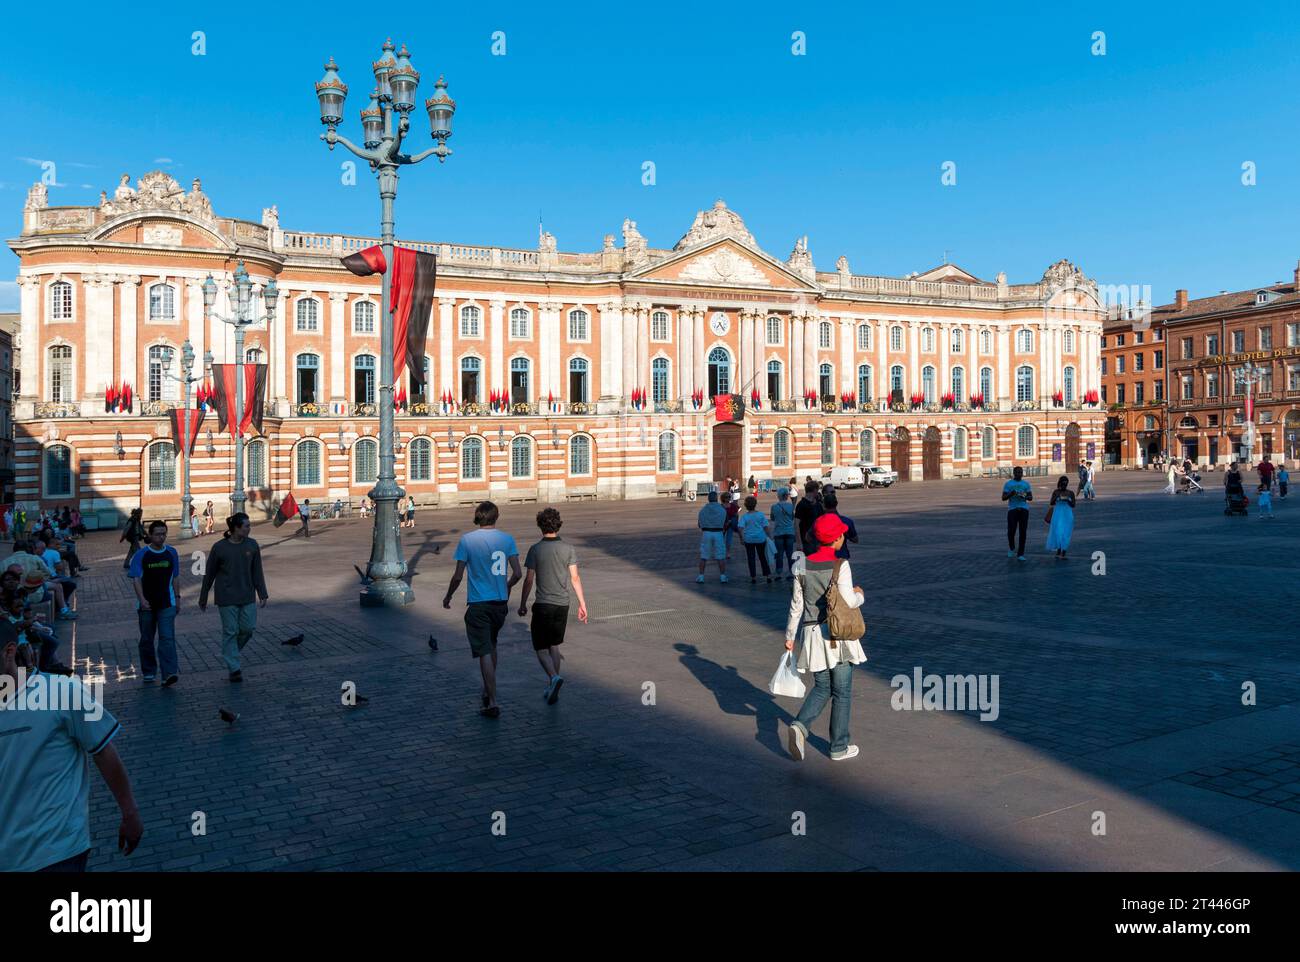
[(50, 727)]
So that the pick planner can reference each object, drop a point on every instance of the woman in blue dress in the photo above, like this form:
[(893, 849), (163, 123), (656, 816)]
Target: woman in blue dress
[(1061, 517)]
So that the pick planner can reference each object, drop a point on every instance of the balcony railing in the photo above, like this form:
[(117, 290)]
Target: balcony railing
[(669, 407), (57, 409), (363, 410), (310, 409)]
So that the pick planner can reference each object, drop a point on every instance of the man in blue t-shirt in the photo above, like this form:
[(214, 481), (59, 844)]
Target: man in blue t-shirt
[(1017, 493), (487, 553), (154, 572)]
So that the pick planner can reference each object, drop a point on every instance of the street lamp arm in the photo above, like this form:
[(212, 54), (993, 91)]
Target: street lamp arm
[(333, 137), (441, 151)]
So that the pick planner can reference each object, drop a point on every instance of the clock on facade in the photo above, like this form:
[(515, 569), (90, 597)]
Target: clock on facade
[(719, 323)]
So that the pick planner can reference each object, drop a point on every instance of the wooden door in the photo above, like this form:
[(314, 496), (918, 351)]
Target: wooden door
[(1072, 448), (728, 459), (900, 454), (931, 455)]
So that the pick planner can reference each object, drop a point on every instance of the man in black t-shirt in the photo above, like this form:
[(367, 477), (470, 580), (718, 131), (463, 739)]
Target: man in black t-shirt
[(808, 510)]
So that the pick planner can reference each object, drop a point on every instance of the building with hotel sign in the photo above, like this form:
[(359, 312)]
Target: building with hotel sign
[(938, 374)]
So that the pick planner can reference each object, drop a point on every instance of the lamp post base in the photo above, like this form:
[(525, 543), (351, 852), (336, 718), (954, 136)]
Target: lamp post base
[(387, 593)]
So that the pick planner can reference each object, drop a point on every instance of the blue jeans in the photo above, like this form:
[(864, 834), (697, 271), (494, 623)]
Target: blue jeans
[(237, 625), (836, 686), (163, 623), (784, 550)]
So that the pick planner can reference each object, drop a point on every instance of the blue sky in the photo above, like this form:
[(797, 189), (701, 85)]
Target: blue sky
[(1129, 164)]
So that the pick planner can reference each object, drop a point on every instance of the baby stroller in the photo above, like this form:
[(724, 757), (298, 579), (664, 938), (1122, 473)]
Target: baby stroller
[(1192, 482), (1237, 501)]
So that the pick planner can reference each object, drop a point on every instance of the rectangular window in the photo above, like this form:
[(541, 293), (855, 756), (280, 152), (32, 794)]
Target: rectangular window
[(1119, 363), (864, 337), (781, 449), (1119, 340), (1293, 335), (309, 463), (1139, 392), (774, 331), (1160, 390), (1187, 387), (1187, 348), (1119, 393), (1211, 385), (1138, 337), (256, 465), (659, 326), (1103, 367), (1211, 344), (1266, 338), (1293, 377), (1158, 361), (1238, 341), (1137, 362)]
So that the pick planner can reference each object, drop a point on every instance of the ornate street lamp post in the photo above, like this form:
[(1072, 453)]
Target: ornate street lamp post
[(1250, 374), (187, 447), (385, 121), (241, 300)]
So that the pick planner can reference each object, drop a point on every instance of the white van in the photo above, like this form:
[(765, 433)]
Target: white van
[(845, 478)]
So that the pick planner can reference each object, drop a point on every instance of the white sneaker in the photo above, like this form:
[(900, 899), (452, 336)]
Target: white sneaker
[(700, 580), (850, 752), (795, 742), (722, 579)]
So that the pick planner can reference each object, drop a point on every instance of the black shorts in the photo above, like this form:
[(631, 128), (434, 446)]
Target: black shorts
[(549, 622), (483, 622)]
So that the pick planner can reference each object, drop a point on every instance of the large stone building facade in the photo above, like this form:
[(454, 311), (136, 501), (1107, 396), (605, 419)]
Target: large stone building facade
[(936, 375)]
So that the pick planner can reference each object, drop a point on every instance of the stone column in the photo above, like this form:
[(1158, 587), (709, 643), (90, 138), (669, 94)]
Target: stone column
[(913, 334), (944, 334), (810, 333), (32, 352), (881, 385), (611, 361), (699, 358), (194, 314), (643, 347), (685, 369), (497, 379), (337, 351), (446, 350), (1006, 384), (848, 372), (795, 369), (629, 350), (760, 354), (97, 360)]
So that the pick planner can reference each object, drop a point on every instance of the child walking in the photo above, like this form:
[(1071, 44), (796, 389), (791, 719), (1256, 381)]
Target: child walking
[(1265, 501), (553, 565)]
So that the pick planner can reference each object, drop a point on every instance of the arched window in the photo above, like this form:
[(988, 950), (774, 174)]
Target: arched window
[(773, 331), (521, 457), (1026, 446), (162, 360), (959, 444), (990, 450), (1024, 383), (659, 326), (308, 314), (781, 449), (719, 371), (826, 381), (986, 383), (470, 369), (959, 383), (659, 381), (420, 467), (255, 463), (986, 342), (956, 340), (864, 337), (867, 447), (519, 318), (162, 302), (927, 383), (253, 355), (471, 459), (1067, 342), (363, 378), (865, 385), (1024, 341), (896, 338), (824, 334), (580, 455), (578, 387), (927, 340), (1067, 383), (363, 317), (161, 475), (828, 447), (60, 375), (365, 460), (520, 380), (307, 467), (578, 329), (60, 301), (896, 383), (668, 452), (58, 471), (471, 321), (308, 366), (774, 380)]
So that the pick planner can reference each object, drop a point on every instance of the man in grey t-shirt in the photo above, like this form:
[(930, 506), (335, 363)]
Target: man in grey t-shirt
[(553, 566)]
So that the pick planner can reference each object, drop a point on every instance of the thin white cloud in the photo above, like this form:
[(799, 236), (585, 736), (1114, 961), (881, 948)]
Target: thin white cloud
[(163, 160), (39, 162)]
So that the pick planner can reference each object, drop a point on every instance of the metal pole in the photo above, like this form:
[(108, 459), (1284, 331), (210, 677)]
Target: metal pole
[(386, 563), (186, 530), (238, 496)]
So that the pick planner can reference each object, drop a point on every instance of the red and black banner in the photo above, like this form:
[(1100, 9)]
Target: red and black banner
[(729, 407), (223, 396), (288, 508), (183, 439), (415, 275)]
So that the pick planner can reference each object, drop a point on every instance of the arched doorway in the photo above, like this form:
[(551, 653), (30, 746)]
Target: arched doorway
[(931, 454), (1291, 435), (728, 448), (1072, 448), (900, 454)]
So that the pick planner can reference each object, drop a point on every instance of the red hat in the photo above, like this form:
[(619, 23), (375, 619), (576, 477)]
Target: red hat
[(827, 528)]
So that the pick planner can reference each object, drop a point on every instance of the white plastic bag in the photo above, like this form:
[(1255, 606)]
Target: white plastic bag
[(786, 681), (769, 550)]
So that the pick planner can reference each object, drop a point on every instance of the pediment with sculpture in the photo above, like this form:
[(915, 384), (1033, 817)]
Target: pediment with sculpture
[(723, 264)]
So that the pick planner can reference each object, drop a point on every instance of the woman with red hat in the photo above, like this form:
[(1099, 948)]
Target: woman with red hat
[(830, 660)]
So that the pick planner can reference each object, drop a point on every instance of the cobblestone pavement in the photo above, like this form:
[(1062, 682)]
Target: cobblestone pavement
[(1120, 700)]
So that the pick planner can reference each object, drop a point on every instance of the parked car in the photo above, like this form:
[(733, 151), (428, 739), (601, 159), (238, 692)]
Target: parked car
[(878, 477), (851, 477)]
